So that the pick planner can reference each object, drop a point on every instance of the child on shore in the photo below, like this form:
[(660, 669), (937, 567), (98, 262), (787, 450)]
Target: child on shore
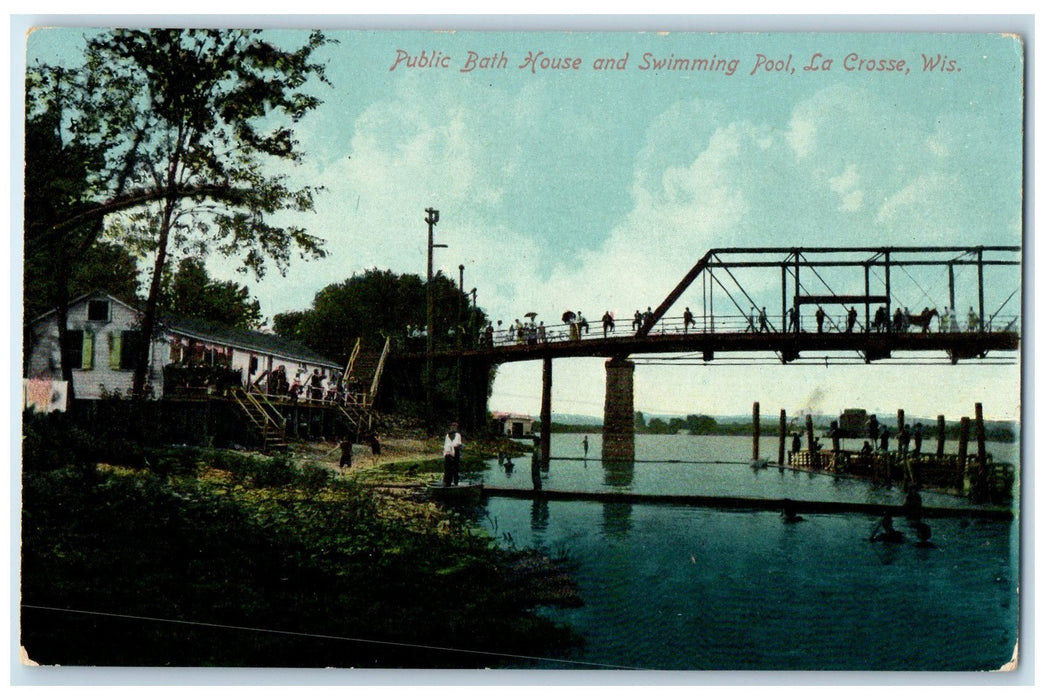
[(346, 454)]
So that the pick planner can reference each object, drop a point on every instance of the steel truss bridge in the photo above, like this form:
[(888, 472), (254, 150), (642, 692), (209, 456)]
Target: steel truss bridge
[(860, 294)]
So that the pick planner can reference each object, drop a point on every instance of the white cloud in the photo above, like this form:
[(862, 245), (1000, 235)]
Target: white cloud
[(908, 203), (846, 170), (846, 185)]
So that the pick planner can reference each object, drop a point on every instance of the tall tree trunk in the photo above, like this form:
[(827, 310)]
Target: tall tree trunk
[(61, 308), (148, 326)]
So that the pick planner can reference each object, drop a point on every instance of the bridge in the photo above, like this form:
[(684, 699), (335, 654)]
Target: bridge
[(851, 301)]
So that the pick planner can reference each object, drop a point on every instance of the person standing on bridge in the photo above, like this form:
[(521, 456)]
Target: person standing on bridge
[(687, 320), (763, 321), (636, 323), (607, 324), (850, 321), (820, 316), (974, 321), (452, 445), (751, 321), (792, 319)]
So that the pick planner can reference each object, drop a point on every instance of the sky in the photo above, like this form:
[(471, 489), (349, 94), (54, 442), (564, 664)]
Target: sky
[(598, 186)]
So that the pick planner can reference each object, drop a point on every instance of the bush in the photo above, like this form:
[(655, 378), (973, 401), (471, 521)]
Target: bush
[(51, 441), (275, 471), (175, 461), (240, 466), (313, 476)]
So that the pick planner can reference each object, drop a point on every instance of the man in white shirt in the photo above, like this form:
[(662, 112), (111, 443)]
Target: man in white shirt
[(452, 456)]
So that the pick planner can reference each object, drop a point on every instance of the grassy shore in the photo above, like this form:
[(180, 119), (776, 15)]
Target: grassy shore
[(218, 558)]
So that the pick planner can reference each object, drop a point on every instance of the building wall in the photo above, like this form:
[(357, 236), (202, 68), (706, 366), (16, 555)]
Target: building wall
[(103, 376), (266, 362)]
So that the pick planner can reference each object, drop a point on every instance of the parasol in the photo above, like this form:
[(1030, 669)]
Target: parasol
[(568, 317), (530, 315)]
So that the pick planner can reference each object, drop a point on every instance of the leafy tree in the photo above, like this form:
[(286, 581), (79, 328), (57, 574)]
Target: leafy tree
[(375, 305), (640, 420), (657, 426), (378, 304), (288, 324), (701, 425), (57, 178), (193, 294), (184, 129)]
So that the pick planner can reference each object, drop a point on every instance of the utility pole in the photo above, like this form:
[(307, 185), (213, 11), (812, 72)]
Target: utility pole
[(458, 333), (432, 219)]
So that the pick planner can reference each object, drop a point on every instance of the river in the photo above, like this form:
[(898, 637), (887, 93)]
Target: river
[(671, 587)]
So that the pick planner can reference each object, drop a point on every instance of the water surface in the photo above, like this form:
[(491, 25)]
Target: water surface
[(689, 588)]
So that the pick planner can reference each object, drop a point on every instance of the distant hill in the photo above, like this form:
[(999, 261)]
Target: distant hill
[(575, 419), (573, 422)]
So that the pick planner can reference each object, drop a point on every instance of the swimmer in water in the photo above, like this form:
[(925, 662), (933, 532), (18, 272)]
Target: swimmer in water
[(924, 532), (887, 533), (789, 515)]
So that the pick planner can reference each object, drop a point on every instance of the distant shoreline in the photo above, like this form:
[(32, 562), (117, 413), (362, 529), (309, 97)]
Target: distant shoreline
[(995, 432)]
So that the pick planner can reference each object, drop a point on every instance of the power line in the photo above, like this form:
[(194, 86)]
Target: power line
[(314, 635)]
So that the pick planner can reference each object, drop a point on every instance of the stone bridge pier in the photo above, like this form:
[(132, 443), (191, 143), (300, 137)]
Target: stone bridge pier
[(618, 421)]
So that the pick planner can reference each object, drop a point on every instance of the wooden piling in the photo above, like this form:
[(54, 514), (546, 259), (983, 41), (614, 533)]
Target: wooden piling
[(963, 451), (809, 432), (782, 445), (941, 430), (546, 415), (756, 432), (981, 455), (899, 420)]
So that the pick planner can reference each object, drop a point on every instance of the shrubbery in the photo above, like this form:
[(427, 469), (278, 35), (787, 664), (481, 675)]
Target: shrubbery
[(161, 563)]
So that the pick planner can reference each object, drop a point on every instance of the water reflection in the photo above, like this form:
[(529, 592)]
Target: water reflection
[(618, 473), (539, 515), (616, 519)]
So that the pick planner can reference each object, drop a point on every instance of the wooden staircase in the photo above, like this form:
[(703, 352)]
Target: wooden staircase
[(265, 420), (363, 377)]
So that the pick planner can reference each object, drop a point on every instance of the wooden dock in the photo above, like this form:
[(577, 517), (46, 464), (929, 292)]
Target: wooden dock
[(744, 503), (949, 473)]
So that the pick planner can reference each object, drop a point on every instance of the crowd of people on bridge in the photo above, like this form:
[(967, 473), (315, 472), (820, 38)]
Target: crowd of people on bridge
[(574, 326)]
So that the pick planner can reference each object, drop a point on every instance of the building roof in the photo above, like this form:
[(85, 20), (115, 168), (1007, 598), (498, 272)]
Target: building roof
[(256, 341), (504, 415), (83, 297)]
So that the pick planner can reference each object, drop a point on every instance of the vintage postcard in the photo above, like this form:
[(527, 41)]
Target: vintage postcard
[(652, 350)]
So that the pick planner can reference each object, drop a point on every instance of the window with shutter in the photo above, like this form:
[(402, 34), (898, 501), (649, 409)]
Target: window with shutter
[(74, 348), (87, 351), (130, 343), (115, 346)]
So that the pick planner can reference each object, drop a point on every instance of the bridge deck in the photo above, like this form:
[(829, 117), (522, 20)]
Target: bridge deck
[(872, 346)]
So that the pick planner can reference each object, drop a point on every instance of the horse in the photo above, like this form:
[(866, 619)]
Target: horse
[(923, 319)]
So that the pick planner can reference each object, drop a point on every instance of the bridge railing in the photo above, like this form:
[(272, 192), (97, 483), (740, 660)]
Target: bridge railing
[(720, 323)]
